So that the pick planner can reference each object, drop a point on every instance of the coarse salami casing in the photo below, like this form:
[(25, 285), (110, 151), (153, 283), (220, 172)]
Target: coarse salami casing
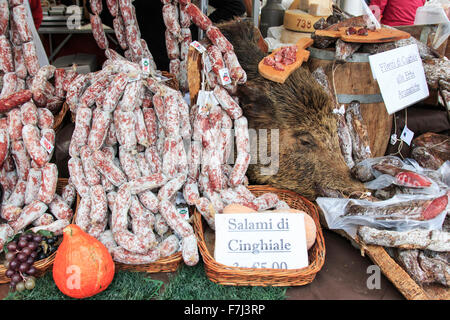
[(29, 213), (6, 58), (14, 122), (29, 113), (98, 31), (77, 176), (31, 138), (48, 183), (119, 30), (171, 20), (198, 17), (46, 119), (60, 208), (108, 168), (19, 62), (21, 158), (172, 46), (189, 250), (15, 100), (91, 173), (30, 57), (19, 15)]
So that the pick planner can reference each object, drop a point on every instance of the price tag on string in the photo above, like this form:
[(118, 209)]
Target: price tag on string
[(197, 45), (183, 212), (145, 65), (47, 145), (225, 77), (407, 135)]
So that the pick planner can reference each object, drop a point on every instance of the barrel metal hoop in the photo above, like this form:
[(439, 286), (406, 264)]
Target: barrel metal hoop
[(362, 98)]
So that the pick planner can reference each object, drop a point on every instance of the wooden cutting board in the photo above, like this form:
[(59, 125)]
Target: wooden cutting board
[(270, 73), (378, 36)]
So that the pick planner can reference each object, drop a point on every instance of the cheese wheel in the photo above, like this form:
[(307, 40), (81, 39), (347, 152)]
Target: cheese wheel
[(237, 208), (297, 20), (288, 36)]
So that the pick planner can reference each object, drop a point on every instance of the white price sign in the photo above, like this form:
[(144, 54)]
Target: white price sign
[(400, 76), (262, 240)]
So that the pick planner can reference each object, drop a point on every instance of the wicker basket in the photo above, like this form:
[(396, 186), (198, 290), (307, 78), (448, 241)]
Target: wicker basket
[(59, 118), (43, 265), (167, 264), (236, 276)]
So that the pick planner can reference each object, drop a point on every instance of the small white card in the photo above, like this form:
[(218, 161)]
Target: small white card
[(47, 145), (400, 76), (225, 77), (145, 65), (261, 240), (407, 135), (184, 212), (197, 45)]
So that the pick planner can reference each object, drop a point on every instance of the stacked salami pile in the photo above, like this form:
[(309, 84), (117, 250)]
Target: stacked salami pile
[(28, 96), (178, 38), (126, 29)]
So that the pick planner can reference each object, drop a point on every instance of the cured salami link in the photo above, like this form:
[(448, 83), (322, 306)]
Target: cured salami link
[(46, 119), (83, 213), (19, 15), (21, 158), (48, 183), (121, 255), (91, 174), (4, 19), (127, 12), (153, 159), (14, 100), (19, 62), (194, 159), (114, 92), (48, 138), (4, 145), (126, 129), (189, 250), (98, 32), (96, 6), (237, 73), (29, 213), (240, 168), (171, 19), (119, 30), (134, 42), (44, 220), (74, 91), (59, 77), (30, 57), (6, 58), (170, 158), (10, 213), (129, 164), (60, 208), (8, 180), (99, 210), (111, 138), (242, 135), (266, 201), (31, 138), (227, 103), (190, 192), (206, 209), (198, 17), (6, 231), (132, 96), (14, 121), (29, 114), (173, 49), (160, 226), (174, 67), (90, 95), (69, 194), (158, 104), (176, 222), (56, 227), (244, 193), (108, 168), (185, 19), (143, 165), (77, 176), (170, 189), (218, 39), (113, 7), (216, 59), (149, 200), (81, 132), (172, 113), (169, 246), (17, 197), (9, 84), (69, 77), (152, 182), (100, 125), (150, 124)]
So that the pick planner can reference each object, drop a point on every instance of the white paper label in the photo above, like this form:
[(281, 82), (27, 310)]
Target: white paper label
[(400, 76), (263, 240), (202, 98), (407, 135), (208, 64), (224, 76), (197, 45), (184, 212), (46, 145), (145, 65)]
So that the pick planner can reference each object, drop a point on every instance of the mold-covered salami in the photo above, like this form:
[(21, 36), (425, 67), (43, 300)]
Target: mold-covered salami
[(169, 246), (119, 30), (173, 49), (19, 62), (114, 92), (83, 213), (170, 18), (98, 32), (29, 213), (179, 225), (30, 57), (77, 176), (21, 158), (14, 121), (91, 174), (227, 103), (31, 138), (108, 168), (189, 250), (48, 183), (6, 58), (113, 7), (60, 208), (69, 194), (198, 17), (14, 100), (19, 15)]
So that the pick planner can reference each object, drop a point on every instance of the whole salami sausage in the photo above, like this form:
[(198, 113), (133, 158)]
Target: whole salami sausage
[(46, 119), (4, 18), (30, 213), (185, 19), (83, 213), (100, 125), (198, 17), (91, 174), (108, 168), (150, 124), (6, 58), (56, 227), (98, 31), (29, 113), (14, 122), (60, 208), (19, 62), (31, 139), (14, 100), (173, 49), (17, 197), (114, 92), (48, 184), (218, 39), (69, 193), (113, 7), (129, 164), (21, 158), (77, 177), (119, 30), (227, 103), (9, 84), (171, 20), (30, 57), (179, 225), (19, 15), (33, 185), (189, 250), (96, 6), (236, 71), (81, 132), (169, 246)]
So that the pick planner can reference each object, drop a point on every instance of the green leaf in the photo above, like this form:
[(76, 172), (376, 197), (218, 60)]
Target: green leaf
[(46, 233)]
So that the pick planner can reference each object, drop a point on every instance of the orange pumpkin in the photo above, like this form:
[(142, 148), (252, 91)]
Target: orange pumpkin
[(83, 267)]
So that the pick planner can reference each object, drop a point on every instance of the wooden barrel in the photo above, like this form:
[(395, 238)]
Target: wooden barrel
[(353, 81)]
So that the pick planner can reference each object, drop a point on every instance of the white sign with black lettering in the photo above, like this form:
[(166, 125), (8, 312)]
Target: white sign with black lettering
[(261, 240), (400, 76)]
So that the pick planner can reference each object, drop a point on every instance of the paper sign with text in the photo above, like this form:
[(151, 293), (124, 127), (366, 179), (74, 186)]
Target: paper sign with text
[(400, 76), (261, 240)]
